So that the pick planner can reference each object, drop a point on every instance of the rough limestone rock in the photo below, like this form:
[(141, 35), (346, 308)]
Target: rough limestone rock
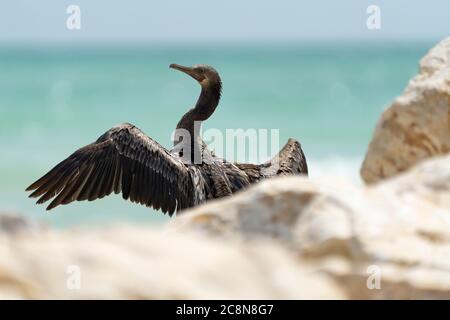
[(289, 238), (417, 125), (13, 223), (399, 229), (142, 263)]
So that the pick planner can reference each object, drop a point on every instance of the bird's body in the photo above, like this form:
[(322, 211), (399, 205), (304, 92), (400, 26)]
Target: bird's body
[(126, 160)]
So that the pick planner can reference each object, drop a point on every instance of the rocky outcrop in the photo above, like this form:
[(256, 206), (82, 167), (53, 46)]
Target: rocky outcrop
[(417, 125), (288, 238), (398, 230), (13, 223), (143, 263)]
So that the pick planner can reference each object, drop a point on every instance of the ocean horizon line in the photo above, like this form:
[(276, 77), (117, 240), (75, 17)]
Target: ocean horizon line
[(257, 44)]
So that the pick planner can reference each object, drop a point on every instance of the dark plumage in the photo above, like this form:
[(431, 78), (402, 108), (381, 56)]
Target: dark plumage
[(125, 160)]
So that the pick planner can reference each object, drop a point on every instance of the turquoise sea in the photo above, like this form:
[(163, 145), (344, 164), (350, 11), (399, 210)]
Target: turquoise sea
[(55, 100)]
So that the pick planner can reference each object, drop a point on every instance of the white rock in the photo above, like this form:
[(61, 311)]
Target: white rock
[(289, 238), (400, 227), (417, 125), (142, 263)]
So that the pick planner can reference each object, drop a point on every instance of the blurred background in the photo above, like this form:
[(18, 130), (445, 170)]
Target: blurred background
[(311, 69)]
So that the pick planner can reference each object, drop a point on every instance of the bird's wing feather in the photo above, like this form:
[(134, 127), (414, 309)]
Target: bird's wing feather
[(123, 160), (289, 161)]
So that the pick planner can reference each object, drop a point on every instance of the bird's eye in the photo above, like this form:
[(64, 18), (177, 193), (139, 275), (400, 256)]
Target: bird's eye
[(202, 70)]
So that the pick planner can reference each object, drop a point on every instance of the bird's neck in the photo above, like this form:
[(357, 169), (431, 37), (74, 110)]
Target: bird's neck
[(191, 121), (207, 102), (204, 108)]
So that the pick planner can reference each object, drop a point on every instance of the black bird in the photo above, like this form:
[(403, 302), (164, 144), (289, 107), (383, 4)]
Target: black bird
[(126, 160)]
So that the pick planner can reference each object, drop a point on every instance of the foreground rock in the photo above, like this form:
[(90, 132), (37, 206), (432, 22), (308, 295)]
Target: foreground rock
[(13, 223), (142, 263), (417, 125), (399, 229), (290, 238)]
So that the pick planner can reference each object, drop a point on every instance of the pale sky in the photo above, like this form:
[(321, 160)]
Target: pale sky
[(146, 21)]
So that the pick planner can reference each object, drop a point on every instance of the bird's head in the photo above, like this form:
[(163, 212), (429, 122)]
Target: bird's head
[(206, 75)]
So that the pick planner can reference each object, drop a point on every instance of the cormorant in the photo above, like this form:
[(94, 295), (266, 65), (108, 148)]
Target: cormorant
[(126, 160)]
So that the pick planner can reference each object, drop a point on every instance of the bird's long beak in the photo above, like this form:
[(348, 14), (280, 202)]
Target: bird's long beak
[(188, 70)]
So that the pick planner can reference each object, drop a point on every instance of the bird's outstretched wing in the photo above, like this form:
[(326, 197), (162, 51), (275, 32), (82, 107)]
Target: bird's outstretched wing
[(289, 161), (122, 159)]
